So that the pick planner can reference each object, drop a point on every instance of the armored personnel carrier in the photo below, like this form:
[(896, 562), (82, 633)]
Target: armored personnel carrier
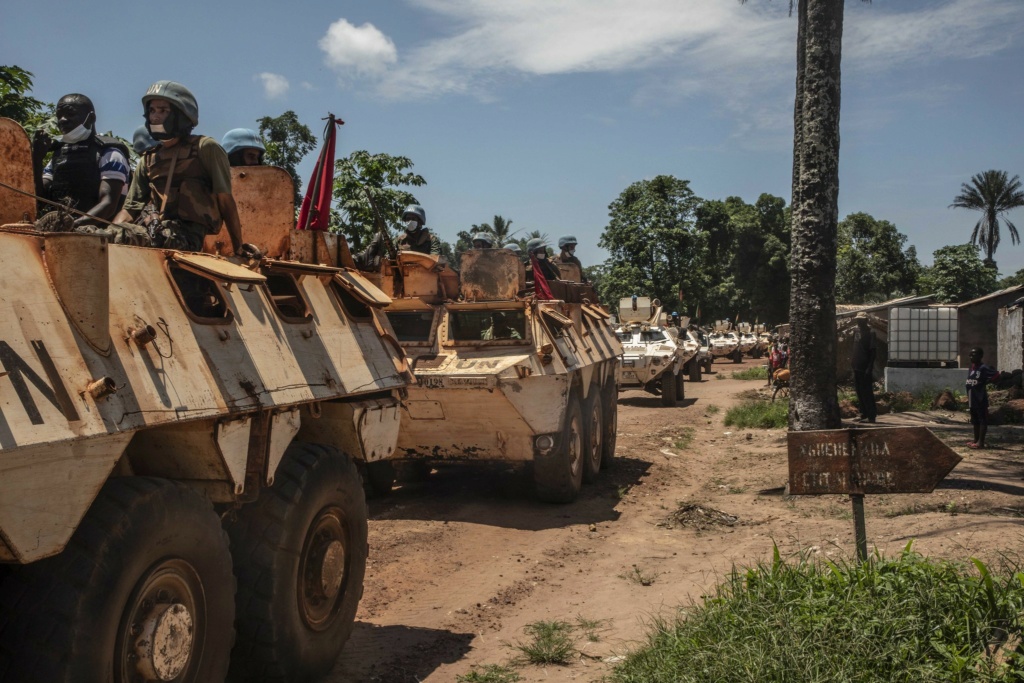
[(724, 342), (748, 340), (155, 404), (764, 340), (654, 358), (501, 375)]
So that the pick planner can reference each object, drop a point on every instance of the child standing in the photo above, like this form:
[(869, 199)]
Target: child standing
[(978, 377)]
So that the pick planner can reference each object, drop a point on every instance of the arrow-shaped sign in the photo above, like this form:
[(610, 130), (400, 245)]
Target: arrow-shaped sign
[(860, 461)]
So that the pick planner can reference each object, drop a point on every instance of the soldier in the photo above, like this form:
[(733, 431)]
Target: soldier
[(568, 254), (244, 147), (87, 171), (417, 237), (538, 251), (187, 179), (483, 240)]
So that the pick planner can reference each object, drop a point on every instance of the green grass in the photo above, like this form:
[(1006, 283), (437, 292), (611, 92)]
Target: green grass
[(712, 409), (760, 373), (905, 619), (491, 673), (758, 414), (684, 439), (639, 576), (591, 628), (551, 642)]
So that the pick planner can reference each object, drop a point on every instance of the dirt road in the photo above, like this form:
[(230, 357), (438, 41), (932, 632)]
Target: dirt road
[(460, 563)]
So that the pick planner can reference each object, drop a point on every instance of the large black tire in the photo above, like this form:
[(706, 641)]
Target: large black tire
[(610, 398), (737, 356), (558, 476), (147, 552), (708, 363), (593, 433), (380, 477), (668, 389), (680, 387), (300, 557), (695, 374)]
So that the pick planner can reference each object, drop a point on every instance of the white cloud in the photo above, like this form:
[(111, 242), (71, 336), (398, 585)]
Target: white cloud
[(361, 50), (274, 85)]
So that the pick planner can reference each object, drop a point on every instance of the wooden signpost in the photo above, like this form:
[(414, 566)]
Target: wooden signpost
[(862, 461)]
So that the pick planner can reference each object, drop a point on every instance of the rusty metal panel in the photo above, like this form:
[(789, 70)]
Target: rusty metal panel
[(570, 272), (866, 461), (16, 171), (490, 275), (265, 196)]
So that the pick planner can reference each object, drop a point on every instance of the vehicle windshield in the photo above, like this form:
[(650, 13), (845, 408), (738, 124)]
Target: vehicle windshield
[(487, 325), (412, 326), (652, 335), (624, 337)]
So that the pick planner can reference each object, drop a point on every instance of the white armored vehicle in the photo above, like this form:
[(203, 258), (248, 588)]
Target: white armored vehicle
[(501, 375), (654, 358), (747, 339), (155, 404), (724, 342)]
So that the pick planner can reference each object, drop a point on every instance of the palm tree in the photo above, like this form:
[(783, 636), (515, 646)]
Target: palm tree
[(501, 230), (992, 193)]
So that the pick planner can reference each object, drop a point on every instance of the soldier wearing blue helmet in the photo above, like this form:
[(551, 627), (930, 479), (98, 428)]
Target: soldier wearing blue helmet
[(244, 147), (567, 244)]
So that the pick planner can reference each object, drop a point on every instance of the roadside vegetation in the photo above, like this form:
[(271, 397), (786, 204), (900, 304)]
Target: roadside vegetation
[(760, 372), (758, 414), (908, 618)]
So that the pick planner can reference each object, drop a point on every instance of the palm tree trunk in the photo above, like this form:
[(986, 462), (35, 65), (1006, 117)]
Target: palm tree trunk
[(813, 403)]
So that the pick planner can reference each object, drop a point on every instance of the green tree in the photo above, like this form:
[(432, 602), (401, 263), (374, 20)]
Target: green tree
[(501, 229), (288, 141), (385, 177), (652, 241), (872, 265), (993, 193), (16, 102), (958, 274)]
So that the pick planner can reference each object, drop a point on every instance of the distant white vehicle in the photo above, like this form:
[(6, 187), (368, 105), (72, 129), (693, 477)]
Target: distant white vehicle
[(725, 343), (655, 358)]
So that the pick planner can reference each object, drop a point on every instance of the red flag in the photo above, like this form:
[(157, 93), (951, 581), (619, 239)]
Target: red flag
[(540, 282), (315, 213)]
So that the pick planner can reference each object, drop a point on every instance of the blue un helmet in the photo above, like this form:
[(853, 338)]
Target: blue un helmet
[(536, 244), (240, 141), (415, 212), (566, 241), (142, 141), (485, 237)]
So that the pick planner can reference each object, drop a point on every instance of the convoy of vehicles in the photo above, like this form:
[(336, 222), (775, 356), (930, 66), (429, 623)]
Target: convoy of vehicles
[(654, 358), (724, 342)]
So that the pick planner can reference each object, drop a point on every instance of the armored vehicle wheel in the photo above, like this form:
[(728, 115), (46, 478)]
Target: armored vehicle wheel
[(668, 389), (142, 592), (610, 398), (380, 476), (707, 364), (737, 356), (593, 434), (558, 475), (680, 387), (300, 555), (695, 374)]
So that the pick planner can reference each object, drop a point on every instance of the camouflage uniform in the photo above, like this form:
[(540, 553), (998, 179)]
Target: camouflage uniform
[(423, 241)]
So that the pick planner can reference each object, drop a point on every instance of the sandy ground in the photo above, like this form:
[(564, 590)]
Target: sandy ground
[(461, 562)]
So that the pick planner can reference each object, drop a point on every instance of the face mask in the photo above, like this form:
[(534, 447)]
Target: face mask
[(79, 133), (162, 131), (411, 226), (541, 255)]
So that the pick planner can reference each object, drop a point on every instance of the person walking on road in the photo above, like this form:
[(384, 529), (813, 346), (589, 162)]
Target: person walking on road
[(863, 362)]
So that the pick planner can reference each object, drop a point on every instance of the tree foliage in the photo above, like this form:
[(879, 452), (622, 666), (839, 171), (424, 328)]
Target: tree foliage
[(384, 177), (16, 102), (872, 265), (655, 249), (958, 274), (288, 141), (993, 193)]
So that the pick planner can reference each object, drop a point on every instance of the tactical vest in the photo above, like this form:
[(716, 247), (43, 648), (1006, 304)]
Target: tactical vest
[(190, 195), (76, 170), (420, 241)]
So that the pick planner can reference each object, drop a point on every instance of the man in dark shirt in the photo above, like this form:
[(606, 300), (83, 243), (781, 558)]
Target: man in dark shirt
[(978, 377), (863, 363)]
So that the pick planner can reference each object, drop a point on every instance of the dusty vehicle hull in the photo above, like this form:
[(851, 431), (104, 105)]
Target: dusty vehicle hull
[(487, 393), (655, 358), (145, 394)]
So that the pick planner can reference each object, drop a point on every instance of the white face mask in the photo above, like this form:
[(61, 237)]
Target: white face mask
[(78, 134), (412, 226), (541, 255)]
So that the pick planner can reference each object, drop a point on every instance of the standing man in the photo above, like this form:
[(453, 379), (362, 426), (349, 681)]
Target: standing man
[(567, 244), (417, 237), (863, 364), (87, 171), (187, 178), (978, 377)]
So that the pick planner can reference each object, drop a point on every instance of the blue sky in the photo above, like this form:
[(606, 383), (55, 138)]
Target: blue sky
[(544, 111)]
